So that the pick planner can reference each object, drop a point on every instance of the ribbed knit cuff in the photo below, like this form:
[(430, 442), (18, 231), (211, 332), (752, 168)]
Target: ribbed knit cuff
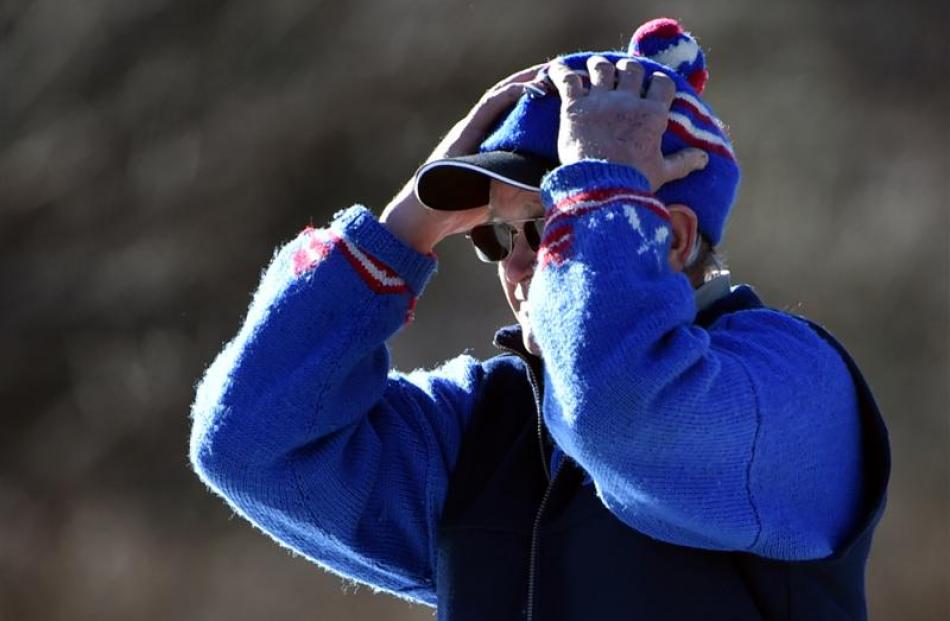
[(360, 226), (589, 176), (580, 193)]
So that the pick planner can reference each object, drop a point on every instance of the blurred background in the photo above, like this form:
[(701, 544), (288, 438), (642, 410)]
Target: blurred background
[(154, 153)]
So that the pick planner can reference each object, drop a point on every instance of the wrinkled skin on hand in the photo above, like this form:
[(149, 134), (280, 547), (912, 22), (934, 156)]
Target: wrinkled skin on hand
[(615, 119)]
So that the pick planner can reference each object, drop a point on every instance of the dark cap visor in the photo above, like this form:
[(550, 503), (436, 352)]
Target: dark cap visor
[(461, 183)]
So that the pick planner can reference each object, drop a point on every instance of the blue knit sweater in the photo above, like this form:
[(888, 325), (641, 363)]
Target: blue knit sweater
[(743, 436)]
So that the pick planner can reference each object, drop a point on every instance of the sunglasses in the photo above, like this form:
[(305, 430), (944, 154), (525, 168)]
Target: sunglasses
[(494, 241)]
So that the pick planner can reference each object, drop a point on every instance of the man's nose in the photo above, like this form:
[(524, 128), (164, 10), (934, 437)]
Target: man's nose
[(521, 262)]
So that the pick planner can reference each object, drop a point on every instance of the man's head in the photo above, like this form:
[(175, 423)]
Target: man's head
[(507, 171), (523, 145), (516, 207)]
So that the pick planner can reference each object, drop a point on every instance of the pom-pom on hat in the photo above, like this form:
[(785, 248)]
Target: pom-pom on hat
[(523, 146), (664, 41)]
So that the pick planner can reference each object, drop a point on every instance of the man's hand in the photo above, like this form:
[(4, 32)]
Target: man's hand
[(614, 120), (423, 228)]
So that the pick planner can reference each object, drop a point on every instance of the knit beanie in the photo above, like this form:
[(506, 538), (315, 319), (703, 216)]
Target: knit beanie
[(528, 132)]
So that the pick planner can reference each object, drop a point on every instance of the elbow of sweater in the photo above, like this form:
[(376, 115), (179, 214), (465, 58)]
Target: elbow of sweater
[(212, 442), (225, 451), (798, 545), (722, 527), (807, 535), (214, 457), (232, 436), (238, 472)]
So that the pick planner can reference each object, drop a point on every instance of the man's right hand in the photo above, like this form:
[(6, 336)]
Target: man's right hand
[(423, 228)]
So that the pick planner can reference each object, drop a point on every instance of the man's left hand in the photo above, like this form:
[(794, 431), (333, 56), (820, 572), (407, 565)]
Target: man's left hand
[(613, 119)]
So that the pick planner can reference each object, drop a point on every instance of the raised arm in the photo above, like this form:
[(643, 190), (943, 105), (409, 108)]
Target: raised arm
[(301, 425), (743, 436)]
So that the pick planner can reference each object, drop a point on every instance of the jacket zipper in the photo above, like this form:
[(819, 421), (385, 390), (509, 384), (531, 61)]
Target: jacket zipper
[(535, 528), (536, 525), (537, 404), (536, 392)]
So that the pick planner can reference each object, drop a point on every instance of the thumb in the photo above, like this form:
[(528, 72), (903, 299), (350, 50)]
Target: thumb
[(679, 164)]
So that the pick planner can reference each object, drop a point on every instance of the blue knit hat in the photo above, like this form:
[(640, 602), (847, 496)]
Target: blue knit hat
[(528, 134)]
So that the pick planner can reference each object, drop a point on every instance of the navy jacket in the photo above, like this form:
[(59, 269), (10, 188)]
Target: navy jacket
[(516, 543)]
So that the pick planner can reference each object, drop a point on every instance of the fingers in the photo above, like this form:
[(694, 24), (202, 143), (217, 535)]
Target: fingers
[(569, 84), (679, 164), (627, 75), (466, 134), (602, 74), (490, 107), (662, 88), (508, 90), (523, 75), (501, 97), (630, 76)]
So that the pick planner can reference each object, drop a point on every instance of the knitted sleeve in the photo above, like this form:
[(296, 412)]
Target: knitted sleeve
[(303, 428), (743, 436)]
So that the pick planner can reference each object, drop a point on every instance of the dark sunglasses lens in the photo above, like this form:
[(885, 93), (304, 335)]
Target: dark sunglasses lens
[(491, 241), (532, 233)]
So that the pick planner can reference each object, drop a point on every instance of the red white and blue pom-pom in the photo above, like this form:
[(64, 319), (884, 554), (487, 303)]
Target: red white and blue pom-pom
[(664, 41)]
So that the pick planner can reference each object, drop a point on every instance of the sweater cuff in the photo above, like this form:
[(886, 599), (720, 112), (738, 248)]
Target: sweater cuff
[(360, 226), (589, 176)]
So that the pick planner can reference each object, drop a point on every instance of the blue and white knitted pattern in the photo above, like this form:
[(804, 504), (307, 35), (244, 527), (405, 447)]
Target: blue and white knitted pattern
[(531, 127), (743, 436)]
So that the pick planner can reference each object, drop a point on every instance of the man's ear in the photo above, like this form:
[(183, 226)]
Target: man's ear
[(685, 227)]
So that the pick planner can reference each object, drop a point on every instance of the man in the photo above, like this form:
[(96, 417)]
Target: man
[(652, 445)]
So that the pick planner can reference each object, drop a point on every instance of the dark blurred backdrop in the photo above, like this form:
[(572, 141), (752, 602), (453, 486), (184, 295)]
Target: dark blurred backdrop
[(154, 152)]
